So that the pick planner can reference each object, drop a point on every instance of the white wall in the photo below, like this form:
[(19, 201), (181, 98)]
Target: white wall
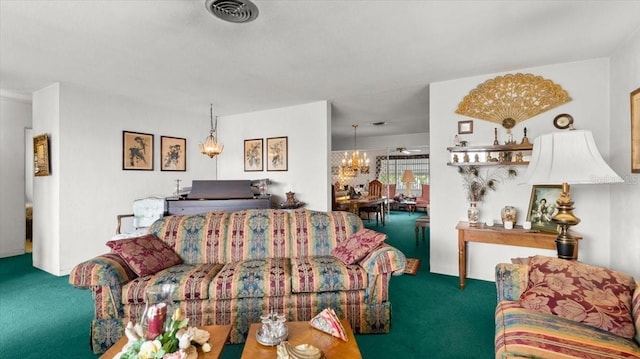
[(15, 116), (587, 83), (46, 193), (625, 199), (75, 208), (307, 127)]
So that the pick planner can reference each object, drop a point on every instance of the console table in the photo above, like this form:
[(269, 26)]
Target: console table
[(498, 235)]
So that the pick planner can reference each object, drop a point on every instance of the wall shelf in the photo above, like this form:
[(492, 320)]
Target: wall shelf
[(491, 155)]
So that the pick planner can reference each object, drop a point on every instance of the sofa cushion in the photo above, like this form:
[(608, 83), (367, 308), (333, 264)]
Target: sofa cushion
[(325, 274), (591, 295), (526, 333), (358, 245), (192, 282), (252, 278), (145, 255)]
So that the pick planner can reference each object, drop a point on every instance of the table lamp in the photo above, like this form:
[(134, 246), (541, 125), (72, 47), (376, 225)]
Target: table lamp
[(408, 178), (569, 157)]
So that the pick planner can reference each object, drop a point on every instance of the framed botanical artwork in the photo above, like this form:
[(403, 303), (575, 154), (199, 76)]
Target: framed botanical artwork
[(41, 162), (542, 207), (465, 127), (253, 155), (277, 154), (137, 151), (173, 153), (635, 131)]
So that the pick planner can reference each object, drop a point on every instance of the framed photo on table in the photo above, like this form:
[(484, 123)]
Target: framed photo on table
[(173, 152), (542, 207), (253, 154), (277, 154), (137, 151)]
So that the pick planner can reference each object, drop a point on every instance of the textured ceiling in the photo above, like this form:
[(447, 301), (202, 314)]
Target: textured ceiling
[(372, 59)]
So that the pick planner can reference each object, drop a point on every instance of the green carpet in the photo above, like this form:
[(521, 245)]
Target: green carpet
[(42, 316)]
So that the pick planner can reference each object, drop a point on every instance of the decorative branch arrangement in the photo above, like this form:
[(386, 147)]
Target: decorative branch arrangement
[(478, 185)]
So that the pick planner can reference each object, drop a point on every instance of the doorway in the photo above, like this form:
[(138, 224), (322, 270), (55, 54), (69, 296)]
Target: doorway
[(28, 188)]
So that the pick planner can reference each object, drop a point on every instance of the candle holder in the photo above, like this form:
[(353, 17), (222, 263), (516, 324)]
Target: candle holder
[(273, 330)]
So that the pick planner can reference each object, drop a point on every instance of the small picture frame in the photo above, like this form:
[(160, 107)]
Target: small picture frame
[(41, 161), (465, 127), (635, 131), (137, 151), (253, 155), (173, 153), (542, 207), (277, 154)]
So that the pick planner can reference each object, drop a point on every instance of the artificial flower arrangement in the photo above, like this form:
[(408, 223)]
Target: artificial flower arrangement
[(173, 343)]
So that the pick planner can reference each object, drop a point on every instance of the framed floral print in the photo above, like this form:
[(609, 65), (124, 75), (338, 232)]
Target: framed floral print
[(253, 155), (277, 154), (41, 161), (137, 151), (173, 152)]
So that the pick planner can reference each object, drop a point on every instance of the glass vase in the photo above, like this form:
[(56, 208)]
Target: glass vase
[(157, 311), (473, 214)]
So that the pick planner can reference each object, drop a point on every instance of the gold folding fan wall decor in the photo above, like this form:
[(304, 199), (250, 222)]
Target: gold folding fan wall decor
[(512, 98)]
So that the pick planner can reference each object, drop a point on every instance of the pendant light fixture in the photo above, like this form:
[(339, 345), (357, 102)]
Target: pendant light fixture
[(211, 147), (355, 163)]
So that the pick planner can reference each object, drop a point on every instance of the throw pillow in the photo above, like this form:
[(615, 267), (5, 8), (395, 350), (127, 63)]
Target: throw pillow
[(145, 255), (358, 245), (583, 293)]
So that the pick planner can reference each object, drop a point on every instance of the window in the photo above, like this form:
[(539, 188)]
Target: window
[(391, 171)]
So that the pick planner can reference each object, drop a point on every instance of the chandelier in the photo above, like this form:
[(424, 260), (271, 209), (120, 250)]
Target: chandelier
[(354, 163), (211, 147)]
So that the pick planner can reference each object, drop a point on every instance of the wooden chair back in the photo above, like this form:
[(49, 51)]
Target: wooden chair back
[(375, 188)]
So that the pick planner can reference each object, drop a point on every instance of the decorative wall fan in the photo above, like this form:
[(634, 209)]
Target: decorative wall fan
[(512, 98)]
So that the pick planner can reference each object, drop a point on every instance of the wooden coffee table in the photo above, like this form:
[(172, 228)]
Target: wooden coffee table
[(218, 337), (304, 333)]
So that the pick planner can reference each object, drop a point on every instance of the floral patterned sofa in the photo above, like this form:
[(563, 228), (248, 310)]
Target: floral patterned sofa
[(229, 268), (555, 308)]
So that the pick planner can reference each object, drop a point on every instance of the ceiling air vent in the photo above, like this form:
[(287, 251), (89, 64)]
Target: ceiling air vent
[(237, 11)]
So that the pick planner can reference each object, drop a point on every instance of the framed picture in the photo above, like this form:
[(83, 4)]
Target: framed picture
[(173, 152), (41, 164), (465, 127), (253, 155), (635, 131), (277, 154), (137, 151), (542, 207)]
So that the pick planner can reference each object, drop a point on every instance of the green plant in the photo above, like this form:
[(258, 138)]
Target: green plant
[(478, 185)]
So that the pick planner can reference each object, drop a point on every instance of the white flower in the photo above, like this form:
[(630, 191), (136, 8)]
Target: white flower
[(206, 347), (149, 349)]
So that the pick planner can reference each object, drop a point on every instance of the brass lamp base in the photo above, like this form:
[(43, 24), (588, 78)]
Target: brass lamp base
[(565, 243)]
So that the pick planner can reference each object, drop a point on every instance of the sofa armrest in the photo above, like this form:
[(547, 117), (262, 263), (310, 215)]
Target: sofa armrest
[(105, 270), (104, 276), (511, 280), (384, 259)]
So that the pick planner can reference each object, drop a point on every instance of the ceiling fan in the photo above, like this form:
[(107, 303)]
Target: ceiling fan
[(406, 151)]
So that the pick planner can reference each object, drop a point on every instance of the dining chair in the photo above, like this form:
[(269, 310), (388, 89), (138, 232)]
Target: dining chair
[(375, 191)]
